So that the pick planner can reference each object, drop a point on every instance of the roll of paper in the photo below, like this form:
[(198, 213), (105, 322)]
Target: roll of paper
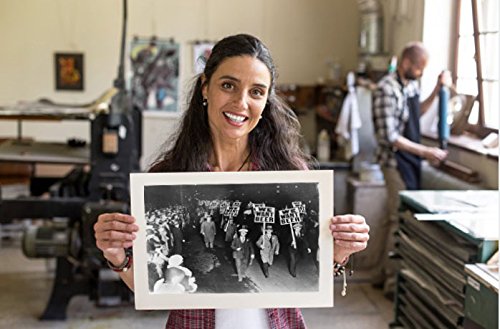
[(443, 127)]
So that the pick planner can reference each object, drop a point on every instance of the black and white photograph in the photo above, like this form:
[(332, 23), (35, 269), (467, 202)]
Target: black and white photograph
[(218, 237)]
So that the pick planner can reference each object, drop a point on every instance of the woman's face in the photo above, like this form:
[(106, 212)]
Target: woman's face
[(236, 93)]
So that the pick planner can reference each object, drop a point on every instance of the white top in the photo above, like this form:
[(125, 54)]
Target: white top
[(243, 318)]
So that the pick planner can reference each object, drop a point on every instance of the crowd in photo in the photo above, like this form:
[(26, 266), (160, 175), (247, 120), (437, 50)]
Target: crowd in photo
[(250, 233)]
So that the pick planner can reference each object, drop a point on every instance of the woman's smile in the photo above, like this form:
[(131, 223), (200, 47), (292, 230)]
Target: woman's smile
[(235, 119)]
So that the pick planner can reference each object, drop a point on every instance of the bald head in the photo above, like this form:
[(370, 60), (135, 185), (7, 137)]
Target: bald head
[(415, 52), (413, 61)]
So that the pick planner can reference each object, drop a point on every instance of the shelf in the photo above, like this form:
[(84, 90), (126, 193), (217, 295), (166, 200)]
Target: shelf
[(27, 151), (431, 280)]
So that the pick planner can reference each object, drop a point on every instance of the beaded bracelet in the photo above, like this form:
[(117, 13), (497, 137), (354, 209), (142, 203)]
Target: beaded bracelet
[(338, 270), (125, 265)]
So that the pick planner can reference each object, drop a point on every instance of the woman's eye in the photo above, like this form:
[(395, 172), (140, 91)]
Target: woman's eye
[(227, 85), (257, 92)]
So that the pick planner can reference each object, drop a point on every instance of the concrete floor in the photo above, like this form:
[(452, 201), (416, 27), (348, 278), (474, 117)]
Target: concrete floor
[(25, 286)]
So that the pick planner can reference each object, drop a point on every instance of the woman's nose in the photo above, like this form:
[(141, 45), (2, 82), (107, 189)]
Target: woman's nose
[(241, 99)]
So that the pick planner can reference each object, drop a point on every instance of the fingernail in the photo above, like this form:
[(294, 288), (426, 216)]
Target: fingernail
[(332, 227)]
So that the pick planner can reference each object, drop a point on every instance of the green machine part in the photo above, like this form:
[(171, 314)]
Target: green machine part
[(481, 297)]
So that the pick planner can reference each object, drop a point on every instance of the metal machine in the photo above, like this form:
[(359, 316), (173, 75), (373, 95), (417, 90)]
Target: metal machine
[(78, 199)]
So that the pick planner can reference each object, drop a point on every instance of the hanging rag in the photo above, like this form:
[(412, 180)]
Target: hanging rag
[(349, 121)]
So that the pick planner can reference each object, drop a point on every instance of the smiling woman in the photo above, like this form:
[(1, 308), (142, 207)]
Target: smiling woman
[(234, 121), (233, 110), (235, 97)]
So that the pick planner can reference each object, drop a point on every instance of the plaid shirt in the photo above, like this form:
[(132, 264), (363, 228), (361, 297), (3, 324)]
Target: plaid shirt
[(390, 114), (284, 318)]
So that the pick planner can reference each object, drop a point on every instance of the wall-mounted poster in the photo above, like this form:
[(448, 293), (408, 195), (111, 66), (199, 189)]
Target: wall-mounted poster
[(69, 71), (190, 255), (201, 52), (155, 74)]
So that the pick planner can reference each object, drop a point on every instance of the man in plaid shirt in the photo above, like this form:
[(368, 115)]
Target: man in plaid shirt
[(396, 114)]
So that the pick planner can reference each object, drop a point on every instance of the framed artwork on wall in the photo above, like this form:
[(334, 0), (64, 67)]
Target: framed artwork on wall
[(155, 74), (201, 52), (69, 71)]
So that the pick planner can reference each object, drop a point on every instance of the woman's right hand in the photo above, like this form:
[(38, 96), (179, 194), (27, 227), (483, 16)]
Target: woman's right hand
[(113, 233)]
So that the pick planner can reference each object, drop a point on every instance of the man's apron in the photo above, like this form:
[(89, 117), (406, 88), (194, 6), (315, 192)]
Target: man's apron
[(409, 165)]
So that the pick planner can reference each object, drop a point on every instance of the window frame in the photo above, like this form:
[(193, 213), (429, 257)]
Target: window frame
[(480, 129)]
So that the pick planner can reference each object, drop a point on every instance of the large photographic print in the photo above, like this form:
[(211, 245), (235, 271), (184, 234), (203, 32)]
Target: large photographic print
[(228, 240)]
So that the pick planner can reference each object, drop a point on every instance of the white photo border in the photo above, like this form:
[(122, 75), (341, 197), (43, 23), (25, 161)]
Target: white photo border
[(144, 300)]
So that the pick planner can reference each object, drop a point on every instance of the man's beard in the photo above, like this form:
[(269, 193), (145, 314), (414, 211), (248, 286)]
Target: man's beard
[(409, 75)]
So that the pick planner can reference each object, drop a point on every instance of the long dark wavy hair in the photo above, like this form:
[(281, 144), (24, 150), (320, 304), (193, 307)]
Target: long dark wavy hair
[(274, 142)]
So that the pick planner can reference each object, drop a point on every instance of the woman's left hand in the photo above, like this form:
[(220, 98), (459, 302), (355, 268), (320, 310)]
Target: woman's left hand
[(350, 235)]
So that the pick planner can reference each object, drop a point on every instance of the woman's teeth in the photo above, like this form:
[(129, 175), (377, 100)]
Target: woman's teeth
[(234, 117)]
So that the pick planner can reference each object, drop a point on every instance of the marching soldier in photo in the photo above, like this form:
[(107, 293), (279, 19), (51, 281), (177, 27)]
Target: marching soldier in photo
[(269, 247), (207, 229), (296, 248), (243, 253)]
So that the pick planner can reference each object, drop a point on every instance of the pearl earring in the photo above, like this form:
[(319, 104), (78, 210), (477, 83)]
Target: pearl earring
[(205, 102)]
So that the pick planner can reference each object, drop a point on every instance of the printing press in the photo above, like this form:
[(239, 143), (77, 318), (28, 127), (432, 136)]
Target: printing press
[(98, 183)]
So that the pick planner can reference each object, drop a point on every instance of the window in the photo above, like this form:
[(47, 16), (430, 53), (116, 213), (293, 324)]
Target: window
[(476, 65)]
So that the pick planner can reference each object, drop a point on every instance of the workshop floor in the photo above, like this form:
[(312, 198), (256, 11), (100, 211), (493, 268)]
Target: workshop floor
[(25, 287)]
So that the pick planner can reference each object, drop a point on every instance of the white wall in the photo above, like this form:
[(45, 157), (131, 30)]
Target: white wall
[(403, 22), (438, 38), (302, 35), (425, 21)]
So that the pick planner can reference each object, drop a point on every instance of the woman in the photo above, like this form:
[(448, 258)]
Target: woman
[(234, 122)]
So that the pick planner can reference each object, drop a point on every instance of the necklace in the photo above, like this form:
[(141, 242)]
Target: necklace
[(244, 162), (210, 168)]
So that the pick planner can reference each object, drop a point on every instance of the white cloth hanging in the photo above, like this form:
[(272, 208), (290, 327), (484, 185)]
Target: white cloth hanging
[(349, 121)]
